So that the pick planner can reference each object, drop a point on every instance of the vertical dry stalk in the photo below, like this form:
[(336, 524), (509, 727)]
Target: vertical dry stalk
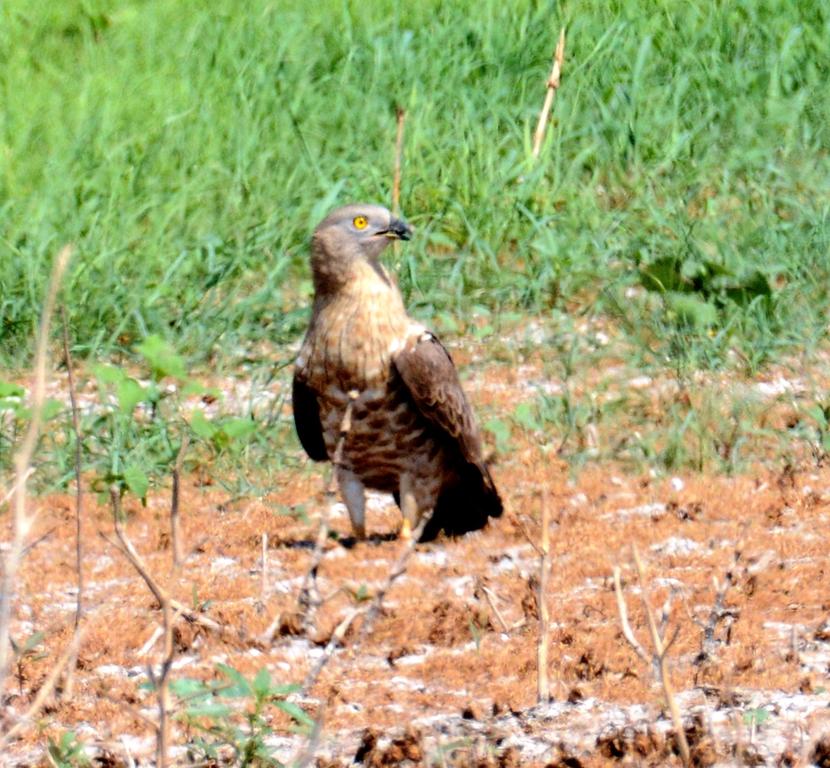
[(307, 602), (160, 680), (543, 687), (175, 521), (660, 646), (264, 569), (400, 116), (552, 85), (76, 428), (69, 680), (371, 612), (22, 520), (395, 572)]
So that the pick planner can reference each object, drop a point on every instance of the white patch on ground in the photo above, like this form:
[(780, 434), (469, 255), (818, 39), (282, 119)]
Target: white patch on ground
[(676, 545), (221, 563), (778, 386), (657, 509), (640, 382)]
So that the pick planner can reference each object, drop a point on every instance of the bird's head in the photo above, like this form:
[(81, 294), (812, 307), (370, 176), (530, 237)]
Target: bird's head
[(357, 232)]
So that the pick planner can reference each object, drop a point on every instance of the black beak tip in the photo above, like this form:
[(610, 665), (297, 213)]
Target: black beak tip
[(400, 229)]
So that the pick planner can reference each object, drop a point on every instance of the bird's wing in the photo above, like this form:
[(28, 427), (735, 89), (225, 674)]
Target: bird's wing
[(307, 419), (430, 376)]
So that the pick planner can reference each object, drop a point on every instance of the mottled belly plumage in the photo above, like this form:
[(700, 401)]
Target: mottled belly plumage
[(388, 437)]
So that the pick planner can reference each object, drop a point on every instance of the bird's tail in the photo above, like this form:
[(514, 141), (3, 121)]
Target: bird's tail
[(466, 505)]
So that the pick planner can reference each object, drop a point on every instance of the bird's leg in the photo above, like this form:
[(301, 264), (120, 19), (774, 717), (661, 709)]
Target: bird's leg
[(409, 507), (354, 497)]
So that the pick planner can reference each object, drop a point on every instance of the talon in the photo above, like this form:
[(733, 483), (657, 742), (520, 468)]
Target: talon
[(406, 530)]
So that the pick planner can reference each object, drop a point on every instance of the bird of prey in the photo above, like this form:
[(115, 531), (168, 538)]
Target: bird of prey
[(412, 432)]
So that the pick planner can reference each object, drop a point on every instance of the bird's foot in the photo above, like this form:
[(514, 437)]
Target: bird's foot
[(406, 530)]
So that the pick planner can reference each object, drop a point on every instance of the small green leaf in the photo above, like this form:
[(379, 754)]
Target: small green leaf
[(51, 408), (524, 416), (136, 480), (215, 710), (757, 716), (692, 311), (31, 642), (201, 426), (240, 686), (238, 428), (129, 393), (7, 389), (189, 687), (262, 683), (500, 430), (295, 712), (108, 374), (162, 358)]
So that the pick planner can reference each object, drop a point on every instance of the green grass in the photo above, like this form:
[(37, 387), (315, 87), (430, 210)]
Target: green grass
[(188, 149)]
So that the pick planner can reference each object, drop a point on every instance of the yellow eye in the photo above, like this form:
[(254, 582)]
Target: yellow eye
[(360, 222)]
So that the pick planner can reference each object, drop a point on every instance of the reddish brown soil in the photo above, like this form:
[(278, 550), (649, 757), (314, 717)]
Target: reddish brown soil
[(449, 673)]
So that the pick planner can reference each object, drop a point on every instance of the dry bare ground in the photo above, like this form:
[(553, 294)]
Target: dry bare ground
[(736, 566)]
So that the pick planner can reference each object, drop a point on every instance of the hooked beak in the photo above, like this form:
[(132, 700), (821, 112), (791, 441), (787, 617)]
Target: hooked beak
[(398, 230)]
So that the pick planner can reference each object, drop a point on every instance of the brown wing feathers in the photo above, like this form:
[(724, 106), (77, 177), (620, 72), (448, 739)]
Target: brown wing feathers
[(428, 372), (307, 420)]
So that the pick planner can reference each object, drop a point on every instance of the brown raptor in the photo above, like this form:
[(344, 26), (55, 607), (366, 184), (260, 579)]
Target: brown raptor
[(412, 432)]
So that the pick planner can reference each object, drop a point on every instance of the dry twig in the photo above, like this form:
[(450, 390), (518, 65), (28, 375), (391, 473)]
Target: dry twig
[(69, 681), (76, 428), (175, 527), (395, 572), (400, 117), (371, 611), (660, 647), (22, 519), (720, 613), (263, 571), (308, 600), (160, 680), (491, 601), (552, 86), (543, 687)]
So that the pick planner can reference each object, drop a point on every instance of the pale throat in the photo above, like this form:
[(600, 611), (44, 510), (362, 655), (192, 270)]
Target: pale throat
[(366, 325)]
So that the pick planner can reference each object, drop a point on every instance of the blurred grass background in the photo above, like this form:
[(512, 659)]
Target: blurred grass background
[(188, 149)]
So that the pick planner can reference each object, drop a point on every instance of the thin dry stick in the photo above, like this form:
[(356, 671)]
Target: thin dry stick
[(400, 116), (661, 647), (203, 621), (263, 586), (308, 600), (69, 680), (46, 688), (397, 570), (175, 528), (543, 688), (23, 521), (160, 680), (719, 612), (491, 601), (79, 504), (526, 533), (8, 494), (371, 612), (626, 626), (306, 756), (552, 85)]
